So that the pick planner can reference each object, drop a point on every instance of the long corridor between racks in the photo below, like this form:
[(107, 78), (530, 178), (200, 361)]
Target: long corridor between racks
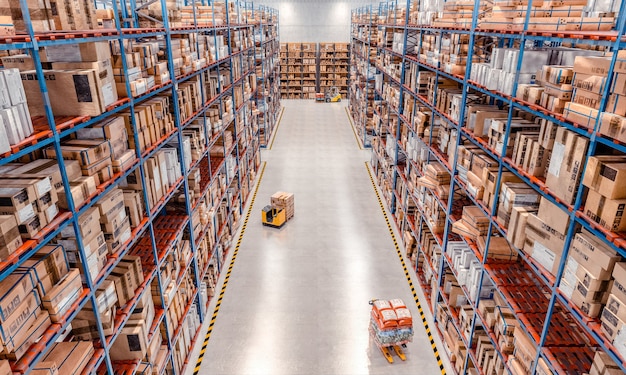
[(297, 298)]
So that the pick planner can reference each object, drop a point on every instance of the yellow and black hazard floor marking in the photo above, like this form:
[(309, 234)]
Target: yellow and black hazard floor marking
[(276, 129), (408, 276), (358, 141), (227, 277)]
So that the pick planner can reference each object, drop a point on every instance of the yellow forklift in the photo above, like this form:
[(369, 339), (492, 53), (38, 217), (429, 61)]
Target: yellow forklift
[(331, 96), (273, 216)]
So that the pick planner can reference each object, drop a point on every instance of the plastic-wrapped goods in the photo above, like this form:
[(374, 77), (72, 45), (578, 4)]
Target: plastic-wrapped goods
[(391, 322)]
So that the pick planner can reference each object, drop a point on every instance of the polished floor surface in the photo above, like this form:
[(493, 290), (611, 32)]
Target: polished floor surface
[(297, 298)]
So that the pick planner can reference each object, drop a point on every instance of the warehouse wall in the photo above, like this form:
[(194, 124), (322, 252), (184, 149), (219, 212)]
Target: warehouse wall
[(315, 20)]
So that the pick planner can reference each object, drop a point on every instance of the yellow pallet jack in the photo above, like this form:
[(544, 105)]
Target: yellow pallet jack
[(396, 348), (273, 216)]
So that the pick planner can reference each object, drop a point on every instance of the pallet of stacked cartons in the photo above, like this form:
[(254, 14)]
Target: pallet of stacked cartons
[(285, 201)]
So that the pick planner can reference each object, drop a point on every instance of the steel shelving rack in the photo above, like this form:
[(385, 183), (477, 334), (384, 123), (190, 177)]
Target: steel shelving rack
[(148, 239), (394, 168), (267, 54), (329, 63), (362, 71), (294, 78)]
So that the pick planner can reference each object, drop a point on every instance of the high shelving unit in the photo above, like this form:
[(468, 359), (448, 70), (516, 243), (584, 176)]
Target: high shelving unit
[(500, 304), (267, 55), (308, 68), (222, 97), (363, 54), (291, 70), (333, 67)]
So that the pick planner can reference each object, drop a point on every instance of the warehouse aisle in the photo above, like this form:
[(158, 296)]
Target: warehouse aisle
[(297, 298)]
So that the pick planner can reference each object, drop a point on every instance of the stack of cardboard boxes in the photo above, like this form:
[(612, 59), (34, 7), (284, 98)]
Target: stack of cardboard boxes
[(42, 291), (31, 198), (143, 68), (159, 168), (612, 317), (500, 73), (604, 365), (152, 120), (453, 344), (605, 178), (590, 78), (488, 359), (16, 124), (550, 16), (285, 201), (587, 279), (52, 15), (66, 358), (453, 14), (133, 342), (93, 241)]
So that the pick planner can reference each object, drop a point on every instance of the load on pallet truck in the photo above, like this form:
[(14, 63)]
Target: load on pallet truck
[(391, 326), (279, 211)]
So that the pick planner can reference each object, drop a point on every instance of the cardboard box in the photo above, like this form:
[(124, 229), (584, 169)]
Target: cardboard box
[(5, 368), (594, 65), (30, 228), (619, 281), (47, 167), (616, 104), (53, 259), (594, 256), (89, 224), (107, 95), (123, 287), (72, 92), (81, 189), (580, 114), (34, 333), (16, 198), (14, 289), (499, 248), (10, 239), (134, 207), (616, 306), (86, 151), (135, 262), (40, 186), (589, 83), (70, 357), (45, 368), (94, 263), (14, 328), (106, 297), (87, 329), (609, 213), (544, 244), (39, 273), (131, 343), (611, 325), (564, 172), (79, 52), (606, 175), (613, 125), (119, 237), (517, 226), (63, 295)]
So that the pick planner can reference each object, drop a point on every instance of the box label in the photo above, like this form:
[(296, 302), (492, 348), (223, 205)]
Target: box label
[(543, 255), (82, 87), (558, 154)]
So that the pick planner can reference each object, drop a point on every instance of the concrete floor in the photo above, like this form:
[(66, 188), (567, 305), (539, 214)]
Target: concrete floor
[(297, 299)]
